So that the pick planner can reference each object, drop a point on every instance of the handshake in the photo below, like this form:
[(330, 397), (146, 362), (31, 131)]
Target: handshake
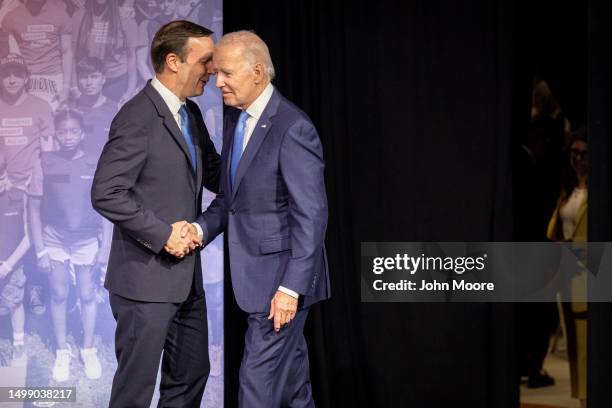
[(183, 239)]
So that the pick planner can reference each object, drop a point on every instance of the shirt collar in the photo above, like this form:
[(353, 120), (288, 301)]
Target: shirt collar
[(257, 107), (101, 101), (173, 101)]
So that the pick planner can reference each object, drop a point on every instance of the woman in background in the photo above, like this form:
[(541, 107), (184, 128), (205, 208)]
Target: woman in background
[(569, 224)]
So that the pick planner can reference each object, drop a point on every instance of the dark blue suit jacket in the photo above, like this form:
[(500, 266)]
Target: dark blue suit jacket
[(144, 182), (275, 215)]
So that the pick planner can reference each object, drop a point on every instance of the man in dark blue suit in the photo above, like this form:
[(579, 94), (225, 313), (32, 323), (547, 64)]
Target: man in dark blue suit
[(150, 175), (273, 207)]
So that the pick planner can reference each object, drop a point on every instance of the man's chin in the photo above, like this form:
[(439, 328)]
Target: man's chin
[(229, 101), (197, 92)]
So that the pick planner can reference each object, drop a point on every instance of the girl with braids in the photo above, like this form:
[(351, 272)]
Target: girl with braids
[(65, 232), (103, 32)]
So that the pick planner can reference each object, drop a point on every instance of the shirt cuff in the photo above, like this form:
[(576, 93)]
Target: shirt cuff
[(289, 292), (199, 228)]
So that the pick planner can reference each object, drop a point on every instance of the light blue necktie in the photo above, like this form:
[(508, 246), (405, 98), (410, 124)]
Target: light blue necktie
[(186, 130), (238, 143)]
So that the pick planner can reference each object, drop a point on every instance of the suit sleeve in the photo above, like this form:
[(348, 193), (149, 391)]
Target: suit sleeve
[(213, 221), (119, 167), (302, 168), (212, 166), (211, 159)]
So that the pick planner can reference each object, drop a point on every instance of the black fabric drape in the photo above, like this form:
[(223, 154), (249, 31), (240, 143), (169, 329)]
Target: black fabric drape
[(416, 104), (600, 204)]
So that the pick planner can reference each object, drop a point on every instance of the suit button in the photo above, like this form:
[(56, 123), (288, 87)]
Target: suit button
[(232, 211)]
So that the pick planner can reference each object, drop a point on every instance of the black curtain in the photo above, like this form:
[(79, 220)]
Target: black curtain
[(418, 105), (600, 203)]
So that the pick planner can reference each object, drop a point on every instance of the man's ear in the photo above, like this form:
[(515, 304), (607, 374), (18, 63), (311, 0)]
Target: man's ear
[(172, 61), (258, 70)]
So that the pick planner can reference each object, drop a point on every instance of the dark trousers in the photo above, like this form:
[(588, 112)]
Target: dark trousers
[(536, 323), (144, 329), (274, 371)]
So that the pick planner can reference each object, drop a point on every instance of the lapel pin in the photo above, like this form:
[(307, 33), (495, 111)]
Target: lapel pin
[(264, 126)]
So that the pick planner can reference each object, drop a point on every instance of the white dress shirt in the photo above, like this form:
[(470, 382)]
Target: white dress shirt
[(174, 102), (255, 110)]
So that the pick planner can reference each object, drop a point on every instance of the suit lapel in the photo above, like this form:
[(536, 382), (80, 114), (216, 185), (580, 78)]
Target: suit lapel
[(170, 124), (260, 132)]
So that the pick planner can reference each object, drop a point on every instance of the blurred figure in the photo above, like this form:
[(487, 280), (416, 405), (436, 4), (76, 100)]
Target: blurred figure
[(545, 107), (64, 230), (31, 115), (14, 243), (102, 32), (166, 12), (4, 43), (98, 111), (7, 41), (7, 6), (536, 182), (145, 10), (26, 126), (43, 31), (8, 44), (569, 224), (72, 6), (538, 172), (188, 9)]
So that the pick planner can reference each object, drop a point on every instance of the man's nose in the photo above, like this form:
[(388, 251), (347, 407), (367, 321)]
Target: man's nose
[(219, 83)]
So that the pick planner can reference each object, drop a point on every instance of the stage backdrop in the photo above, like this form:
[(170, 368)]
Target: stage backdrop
[(89, 56)]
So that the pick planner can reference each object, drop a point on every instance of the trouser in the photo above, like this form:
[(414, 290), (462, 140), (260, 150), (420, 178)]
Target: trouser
[(274, 371), (144, 329)]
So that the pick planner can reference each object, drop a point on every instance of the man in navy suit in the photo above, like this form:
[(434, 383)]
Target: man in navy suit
[(273, 207), (150, 175)]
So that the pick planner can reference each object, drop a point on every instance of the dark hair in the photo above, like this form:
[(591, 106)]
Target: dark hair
[(89, 65), (67, 114), (171, 38), (569, 177)]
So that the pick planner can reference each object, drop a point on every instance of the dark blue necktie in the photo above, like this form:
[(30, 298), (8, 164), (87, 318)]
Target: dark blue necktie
[(239, 133), (186, 130)]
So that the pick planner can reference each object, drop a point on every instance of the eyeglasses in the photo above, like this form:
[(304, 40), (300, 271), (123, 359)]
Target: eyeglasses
[(579, 152)]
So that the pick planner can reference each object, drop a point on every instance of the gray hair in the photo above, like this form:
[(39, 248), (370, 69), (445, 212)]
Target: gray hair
[(254, 49)]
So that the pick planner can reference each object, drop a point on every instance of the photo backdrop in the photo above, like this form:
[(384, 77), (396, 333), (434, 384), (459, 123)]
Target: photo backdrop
[(90, 57)]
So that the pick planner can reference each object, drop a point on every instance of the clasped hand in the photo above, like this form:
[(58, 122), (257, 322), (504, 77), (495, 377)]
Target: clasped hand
[(183, 239)]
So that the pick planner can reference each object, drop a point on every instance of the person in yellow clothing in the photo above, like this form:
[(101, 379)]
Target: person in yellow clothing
[(569, 224)]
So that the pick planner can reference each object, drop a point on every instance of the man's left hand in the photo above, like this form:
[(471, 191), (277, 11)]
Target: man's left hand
[(282, 309)]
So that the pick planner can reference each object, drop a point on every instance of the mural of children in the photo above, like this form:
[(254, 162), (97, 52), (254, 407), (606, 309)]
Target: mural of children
[(102, 32), (64, 231), (14, 243), (26, 127), (43, 31), (98, 111), (26, 121), (166, 12)]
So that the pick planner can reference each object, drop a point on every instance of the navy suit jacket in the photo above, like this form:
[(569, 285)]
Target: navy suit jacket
[(275, 215), (145, 182)]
